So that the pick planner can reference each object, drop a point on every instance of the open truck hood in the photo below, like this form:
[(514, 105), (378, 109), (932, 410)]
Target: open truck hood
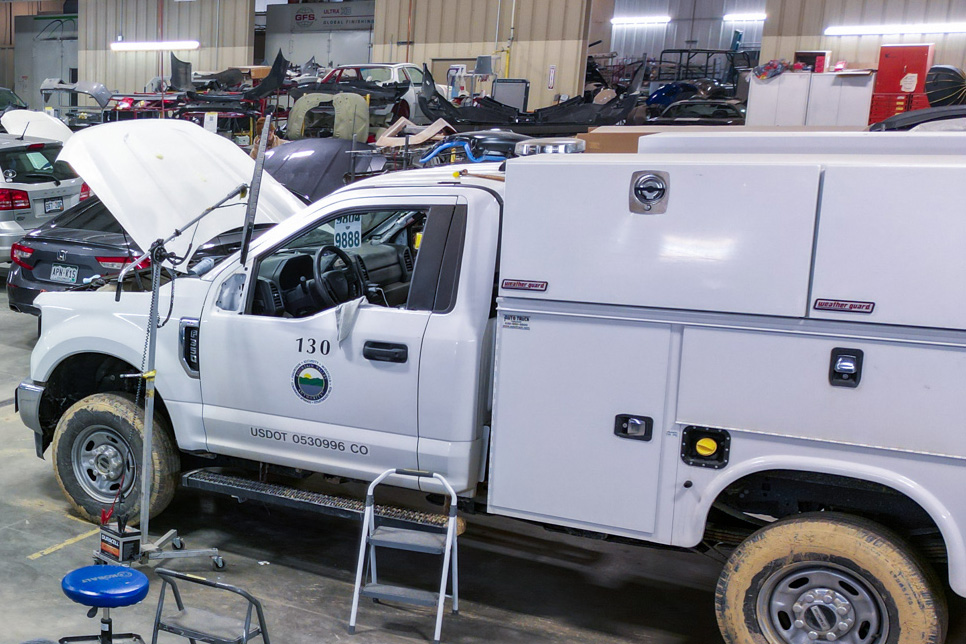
[(38, 124), (156, 175)]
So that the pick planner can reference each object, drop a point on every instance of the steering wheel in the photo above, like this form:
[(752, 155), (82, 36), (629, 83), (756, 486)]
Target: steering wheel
[(337, 286)]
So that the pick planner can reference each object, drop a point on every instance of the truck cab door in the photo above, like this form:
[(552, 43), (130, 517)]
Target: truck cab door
[(289, 379)]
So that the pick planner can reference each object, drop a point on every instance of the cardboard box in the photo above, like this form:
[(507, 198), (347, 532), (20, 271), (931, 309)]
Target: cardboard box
[(623, 138)]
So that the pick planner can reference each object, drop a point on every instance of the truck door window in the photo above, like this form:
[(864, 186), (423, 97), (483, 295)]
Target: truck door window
[(385, 247)]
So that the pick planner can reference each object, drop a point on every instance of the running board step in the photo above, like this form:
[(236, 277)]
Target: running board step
[(432, 543), (245, 489), (414, 596)]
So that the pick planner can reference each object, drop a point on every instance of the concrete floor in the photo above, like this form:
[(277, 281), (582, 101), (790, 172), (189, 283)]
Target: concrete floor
[(519, 582)]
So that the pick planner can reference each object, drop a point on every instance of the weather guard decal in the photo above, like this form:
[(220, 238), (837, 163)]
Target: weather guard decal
[(844, 306), (524, 285)]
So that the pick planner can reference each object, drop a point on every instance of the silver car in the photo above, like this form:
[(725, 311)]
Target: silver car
[(35, 187)]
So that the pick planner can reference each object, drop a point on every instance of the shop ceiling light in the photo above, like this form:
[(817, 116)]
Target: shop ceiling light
[(745, 17), (159, 45), (636, 21), (883, 30)]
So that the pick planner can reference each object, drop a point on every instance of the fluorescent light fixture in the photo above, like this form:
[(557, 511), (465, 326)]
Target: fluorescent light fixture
[(159, 45), (883, 30), (635, 21), (745, 17)]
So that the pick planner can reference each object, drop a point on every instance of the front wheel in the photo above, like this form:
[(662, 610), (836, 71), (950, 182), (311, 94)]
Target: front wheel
[(828, 577), (97, 452)]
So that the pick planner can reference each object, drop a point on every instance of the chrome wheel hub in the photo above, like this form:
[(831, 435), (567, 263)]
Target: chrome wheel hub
[(824, 614), (820, 602), (103, 462)]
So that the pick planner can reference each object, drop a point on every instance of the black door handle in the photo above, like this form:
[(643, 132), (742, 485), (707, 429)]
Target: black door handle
[(385, 352)]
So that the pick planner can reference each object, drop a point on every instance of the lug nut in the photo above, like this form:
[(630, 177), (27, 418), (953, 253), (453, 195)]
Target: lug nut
[(812, 635), (798, 608), (827, 599), (843, 626), (831, 637), (799, 623)]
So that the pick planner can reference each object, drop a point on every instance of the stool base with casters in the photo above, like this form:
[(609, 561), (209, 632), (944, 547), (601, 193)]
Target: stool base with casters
[(102, 588)]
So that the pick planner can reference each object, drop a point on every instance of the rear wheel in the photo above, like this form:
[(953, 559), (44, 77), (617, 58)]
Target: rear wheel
[(97, 453), (828, 578)]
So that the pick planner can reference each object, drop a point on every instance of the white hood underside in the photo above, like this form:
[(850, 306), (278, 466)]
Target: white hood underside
[(35, 124), (156, 175)]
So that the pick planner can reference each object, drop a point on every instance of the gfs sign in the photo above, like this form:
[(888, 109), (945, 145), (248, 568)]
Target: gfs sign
[(305, 18)]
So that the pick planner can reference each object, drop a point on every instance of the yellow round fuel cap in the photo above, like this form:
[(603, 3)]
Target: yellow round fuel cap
[(706, 447)]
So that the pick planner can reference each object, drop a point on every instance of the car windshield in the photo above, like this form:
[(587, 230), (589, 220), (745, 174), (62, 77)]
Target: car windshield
[(34, 163), (9, 99)]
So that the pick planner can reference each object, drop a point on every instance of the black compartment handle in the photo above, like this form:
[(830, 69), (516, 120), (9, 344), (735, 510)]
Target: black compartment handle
[(385, 351)]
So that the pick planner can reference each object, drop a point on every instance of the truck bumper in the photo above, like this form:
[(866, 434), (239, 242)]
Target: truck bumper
[(27, 401)]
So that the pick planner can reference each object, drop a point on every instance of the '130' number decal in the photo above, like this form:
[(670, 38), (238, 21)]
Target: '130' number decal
[(311, 345)]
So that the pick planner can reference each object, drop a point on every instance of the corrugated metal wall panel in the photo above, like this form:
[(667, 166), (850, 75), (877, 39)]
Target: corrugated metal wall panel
[(699, 21), (225, 29), (800, 24), (547, 32)]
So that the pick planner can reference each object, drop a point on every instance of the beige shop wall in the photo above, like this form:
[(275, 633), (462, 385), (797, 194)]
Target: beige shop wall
[(225, 29), (547, 32), (799, 24), (9, 11)]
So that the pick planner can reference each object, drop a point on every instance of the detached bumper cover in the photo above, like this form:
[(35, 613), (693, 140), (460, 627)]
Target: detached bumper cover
[(27, 400)]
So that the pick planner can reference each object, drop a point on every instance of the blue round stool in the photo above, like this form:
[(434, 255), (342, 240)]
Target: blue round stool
[(105, 587)]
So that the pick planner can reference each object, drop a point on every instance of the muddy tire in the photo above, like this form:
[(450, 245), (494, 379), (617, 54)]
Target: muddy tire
[(97, 452), (818, 575)]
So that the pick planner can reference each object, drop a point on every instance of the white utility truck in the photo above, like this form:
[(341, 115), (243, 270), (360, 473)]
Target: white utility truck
[(749, 340)]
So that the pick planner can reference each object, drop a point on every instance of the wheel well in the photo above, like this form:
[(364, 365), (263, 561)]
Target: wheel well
[(778, 494), (82, 375)]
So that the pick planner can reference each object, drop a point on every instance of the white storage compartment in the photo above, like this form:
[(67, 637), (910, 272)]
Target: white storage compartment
[(909, 397), (892, 245), (735, 237), (561, 383), (782, 100)]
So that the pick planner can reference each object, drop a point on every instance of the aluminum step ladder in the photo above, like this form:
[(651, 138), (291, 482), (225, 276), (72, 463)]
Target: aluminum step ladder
[(412, 540)]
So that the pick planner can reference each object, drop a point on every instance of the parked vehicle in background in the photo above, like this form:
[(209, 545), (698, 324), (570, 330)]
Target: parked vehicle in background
[(313, 168), (915, 118), (697, 112), (10, 101), (84, 244), (665, 95), (36, 187), (388, 74)]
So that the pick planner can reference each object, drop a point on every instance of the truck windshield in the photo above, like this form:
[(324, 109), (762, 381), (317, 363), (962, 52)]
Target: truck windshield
[(324, 235)]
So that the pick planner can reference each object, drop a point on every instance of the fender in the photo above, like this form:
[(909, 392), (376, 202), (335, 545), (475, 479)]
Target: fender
[(693, 528)]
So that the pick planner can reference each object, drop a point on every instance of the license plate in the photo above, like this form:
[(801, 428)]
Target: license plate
[(63, 273), (55, 204)]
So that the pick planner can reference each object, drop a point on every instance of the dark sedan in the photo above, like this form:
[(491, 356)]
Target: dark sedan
[(81, 245)]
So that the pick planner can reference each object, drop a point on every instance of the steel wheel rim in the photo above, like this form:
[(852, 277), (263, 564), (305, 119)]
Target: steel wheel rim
[(821, 602), (102, 460)]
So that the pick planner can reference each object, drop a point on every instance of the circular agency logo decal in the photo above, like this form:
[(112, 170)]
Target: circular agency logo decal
[(311, 382)]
